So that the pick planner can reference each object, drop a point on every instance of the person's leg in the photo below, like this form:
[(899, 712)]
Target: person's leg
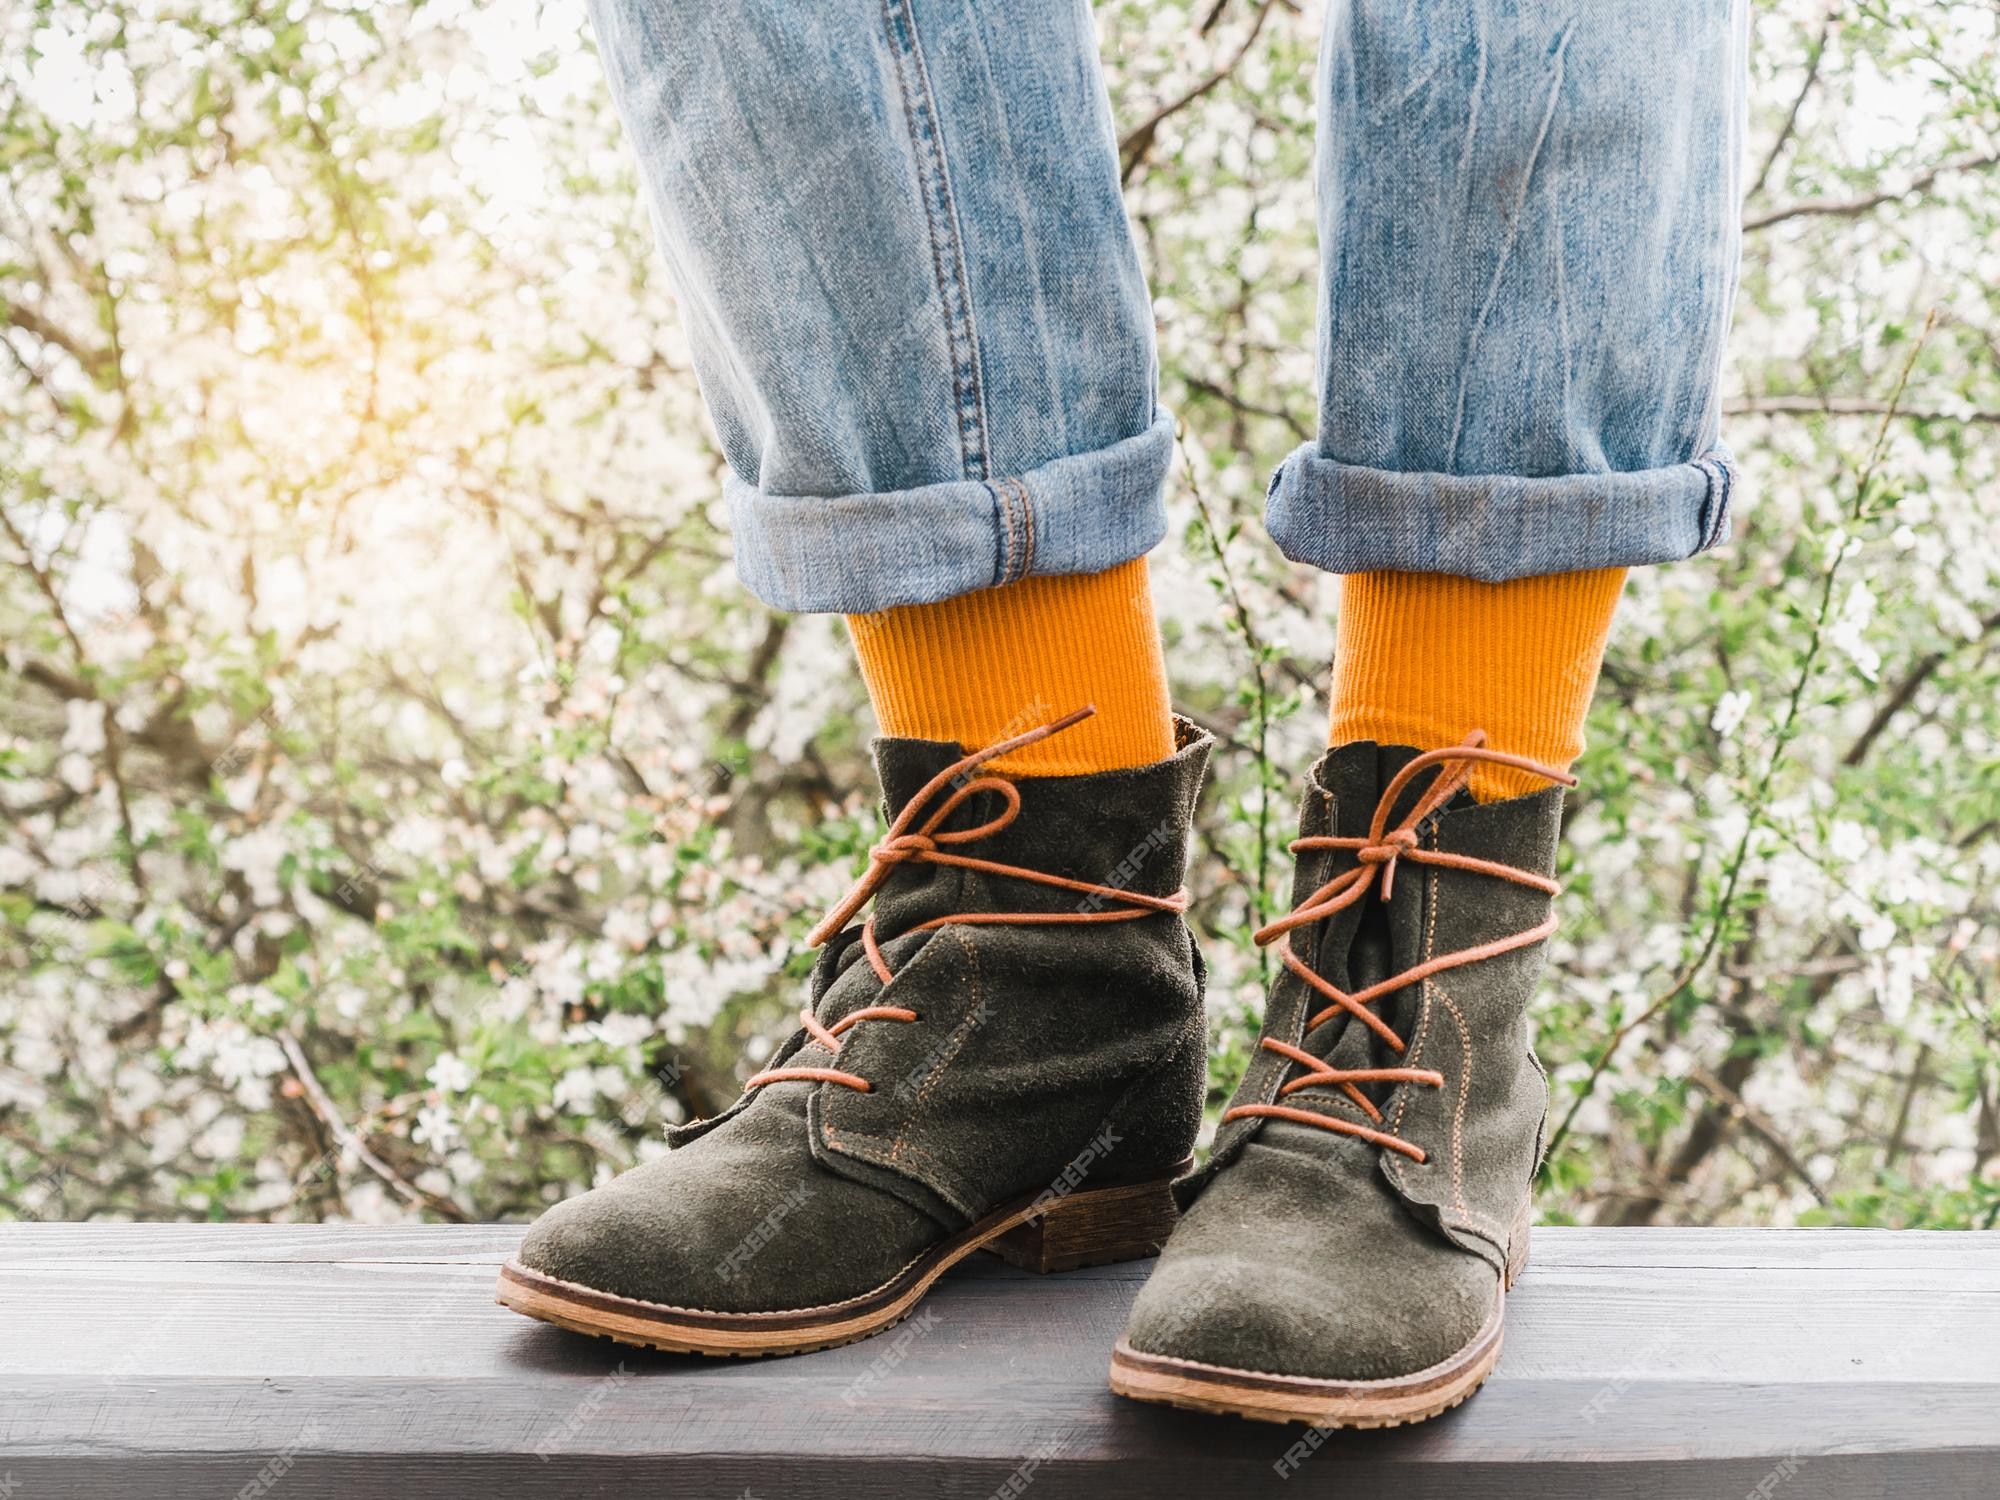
[(1528, 222), (895, 233), (1529, 235)]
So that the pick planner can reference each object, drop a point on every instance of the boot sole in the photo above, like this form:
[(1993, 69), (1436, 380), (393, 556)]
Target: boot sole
[(1086, 1228), (1265, 1396)]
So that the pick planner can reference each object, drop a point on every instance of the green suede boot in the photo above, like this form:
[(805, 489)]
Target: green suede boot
[(1008, 1055), (1344, 1256)]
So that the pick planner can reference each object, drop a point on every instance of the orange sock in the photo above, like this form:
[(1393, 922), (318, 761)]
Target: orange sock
[(992, 664), (1422, 659)]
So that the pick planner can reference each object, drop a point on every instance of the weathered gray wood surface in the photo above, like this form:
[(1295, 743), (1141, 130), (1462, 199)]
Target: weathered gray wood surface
[(171, 1361)]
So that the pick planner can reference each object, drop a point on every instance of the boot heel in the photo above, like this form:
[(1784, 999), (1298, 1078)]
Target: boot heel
[(1092, 1228)]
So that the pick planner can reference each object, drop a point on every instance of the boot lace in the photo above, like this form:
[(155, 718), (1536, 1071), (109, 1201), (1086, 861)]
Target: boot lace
[(1376, 857), (913, 838)]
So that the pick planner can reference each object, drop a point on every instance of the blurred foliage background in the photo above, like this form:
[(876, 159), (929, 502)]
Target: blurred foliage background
[(402, 802)]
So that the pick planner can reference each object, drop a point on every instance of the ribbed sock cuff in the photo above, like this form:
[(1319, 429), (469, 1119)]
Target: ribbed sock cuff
[(1422, 659), (988, 665)]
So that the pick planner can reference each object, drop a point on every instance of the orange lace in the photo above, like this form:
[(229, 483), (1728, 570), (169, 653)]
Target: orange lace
[(910, 841), (1376, 857)]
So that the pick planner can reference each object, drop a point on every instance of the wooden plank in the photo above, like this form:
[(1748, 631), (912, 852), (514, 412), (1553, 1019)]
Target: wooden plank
[(1564, 1248), (187, 1359)]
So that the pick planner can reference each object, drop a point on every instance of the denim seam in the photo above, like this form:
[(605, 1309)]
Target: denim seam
[(1003, 501), (933, 179), (1720, 478), (1017, 529), (1708, 498), (1027, 526)]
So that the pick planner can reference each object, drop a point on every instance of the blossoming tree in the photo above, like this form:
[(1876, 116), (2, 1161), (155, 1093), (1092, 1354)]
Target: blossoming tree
[(406, 814)]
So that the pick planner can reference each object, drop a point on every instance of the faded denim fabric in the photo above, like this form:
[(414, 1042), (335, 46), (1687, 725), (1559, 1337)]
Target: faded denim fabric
[(895, 233), (1528, 232)]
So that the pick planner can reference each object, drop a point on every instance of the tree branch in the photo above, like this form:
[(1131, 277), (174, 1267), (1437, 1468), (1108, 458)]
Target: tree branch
[(96, 363), (1926, 667), (1139, 140), (1806, 85), (1850, 208), (1760, 1125), (1849, 406), (322, 1106), (114, 764)]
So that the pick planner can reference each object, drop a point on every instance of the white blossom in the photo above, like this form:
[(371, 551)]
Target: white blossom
[(450, 1073), (435, 1127), (1730, 709)]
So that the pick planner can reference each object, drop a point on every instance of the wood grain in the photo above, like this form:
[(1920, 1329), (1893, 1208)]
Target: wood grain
[(172, 1360)]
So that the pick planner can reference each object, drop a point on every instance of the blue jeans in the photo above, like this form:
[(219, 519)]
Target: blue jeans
[(895, 233)]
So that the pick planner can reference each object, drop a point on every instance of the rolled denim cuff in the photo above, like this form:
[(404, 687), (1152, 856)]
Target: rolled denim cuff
[(1495, 527), (855, 554)]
